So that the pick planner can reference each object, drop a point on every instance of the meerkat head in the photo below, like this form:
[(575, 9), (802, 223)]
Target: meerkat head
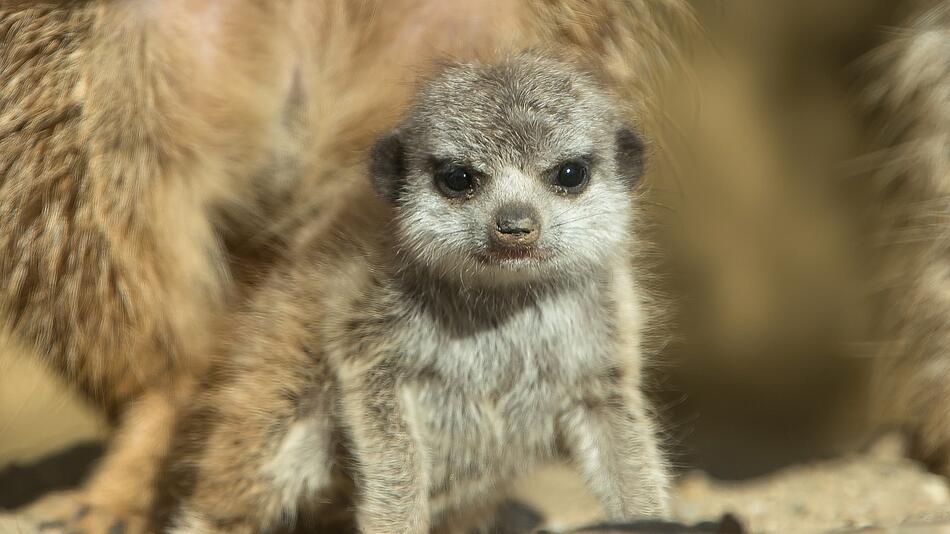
[(511, 172)]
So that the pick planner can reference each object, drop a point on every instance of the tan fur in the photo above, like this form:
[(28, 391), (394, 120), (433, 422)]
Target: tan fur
[(912, 380), (115, 151), (118, 140)]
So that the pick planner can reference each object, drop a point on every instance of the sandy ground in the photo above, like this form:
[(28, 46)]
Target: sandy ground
[(879, 489)]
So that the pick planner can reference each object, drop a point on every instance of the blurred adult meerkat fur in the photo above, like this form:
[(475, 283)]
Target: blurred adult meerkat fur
[(123, 125), (94, 188), (475, 315), (912, 375)]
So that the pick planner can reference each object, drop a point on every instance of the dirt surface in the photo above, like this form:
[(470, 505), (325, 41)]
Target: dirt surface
[(879, 490)]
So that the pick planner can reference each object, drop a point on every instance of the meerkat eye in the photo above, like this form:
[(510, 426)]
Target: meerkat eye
[(455, 181), (572, 176)]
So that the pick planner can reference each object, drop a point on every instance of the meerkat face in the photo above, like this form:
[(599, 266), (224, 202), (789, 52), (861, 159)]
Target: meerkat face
[(508, 173)]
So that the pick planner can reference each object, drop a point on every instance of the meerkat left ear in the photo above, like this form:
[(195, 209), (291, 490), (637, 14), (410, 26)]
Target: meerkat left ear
[(631, 156), (387, 166)]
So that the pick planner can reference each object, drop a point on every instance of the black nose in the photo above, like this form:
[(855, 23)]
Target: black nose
[(516, 224)]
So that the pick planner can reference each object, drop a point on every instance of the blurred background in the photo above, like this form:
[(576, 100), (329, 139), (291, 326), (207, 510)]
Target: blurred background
[(763, 244), (766, 238)]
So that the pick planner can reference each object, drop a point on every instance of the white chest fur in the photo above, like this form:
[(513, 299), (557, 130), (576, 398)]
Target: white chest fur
[(485, 395)]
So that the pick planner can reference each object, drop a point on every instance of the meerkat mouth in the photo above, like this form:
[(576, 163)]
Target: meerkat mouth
[(512, 256)]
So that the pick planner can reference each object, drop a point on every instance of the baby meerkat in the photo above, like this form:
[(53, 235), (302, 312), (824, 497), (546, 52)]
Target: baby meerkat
[(426, 344)]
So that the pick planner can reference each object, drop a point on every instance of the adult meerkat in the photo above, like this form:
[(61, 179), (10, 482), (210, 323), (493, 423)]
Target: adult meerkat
[(140, 141), (477, 315)]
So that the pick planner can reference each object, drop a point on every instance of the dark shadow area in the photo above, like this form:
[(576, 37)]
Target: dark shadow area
[(728, 524), (22, 484)]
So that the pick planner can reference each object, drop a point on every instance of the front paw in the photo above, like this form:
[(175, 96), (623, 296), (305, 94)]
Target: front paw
[(70, 513)]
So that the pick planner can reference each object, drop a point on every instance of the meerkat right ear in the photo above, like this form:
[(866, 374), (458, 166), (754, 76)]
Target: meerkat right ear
[(631, 156), (387, 166)]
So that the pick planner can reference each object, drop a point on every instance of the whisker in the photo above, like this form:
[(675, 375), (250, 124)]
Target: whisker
[(565, 210), (585, 216)]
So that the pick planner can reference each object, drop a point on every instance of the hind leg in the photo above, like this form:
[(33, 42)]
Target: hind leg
[(255, 472), (256, 452), (119, 496)]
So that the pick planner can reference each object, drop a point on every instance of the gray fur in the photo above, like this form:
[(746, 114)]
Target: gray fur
[(446, 370)]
